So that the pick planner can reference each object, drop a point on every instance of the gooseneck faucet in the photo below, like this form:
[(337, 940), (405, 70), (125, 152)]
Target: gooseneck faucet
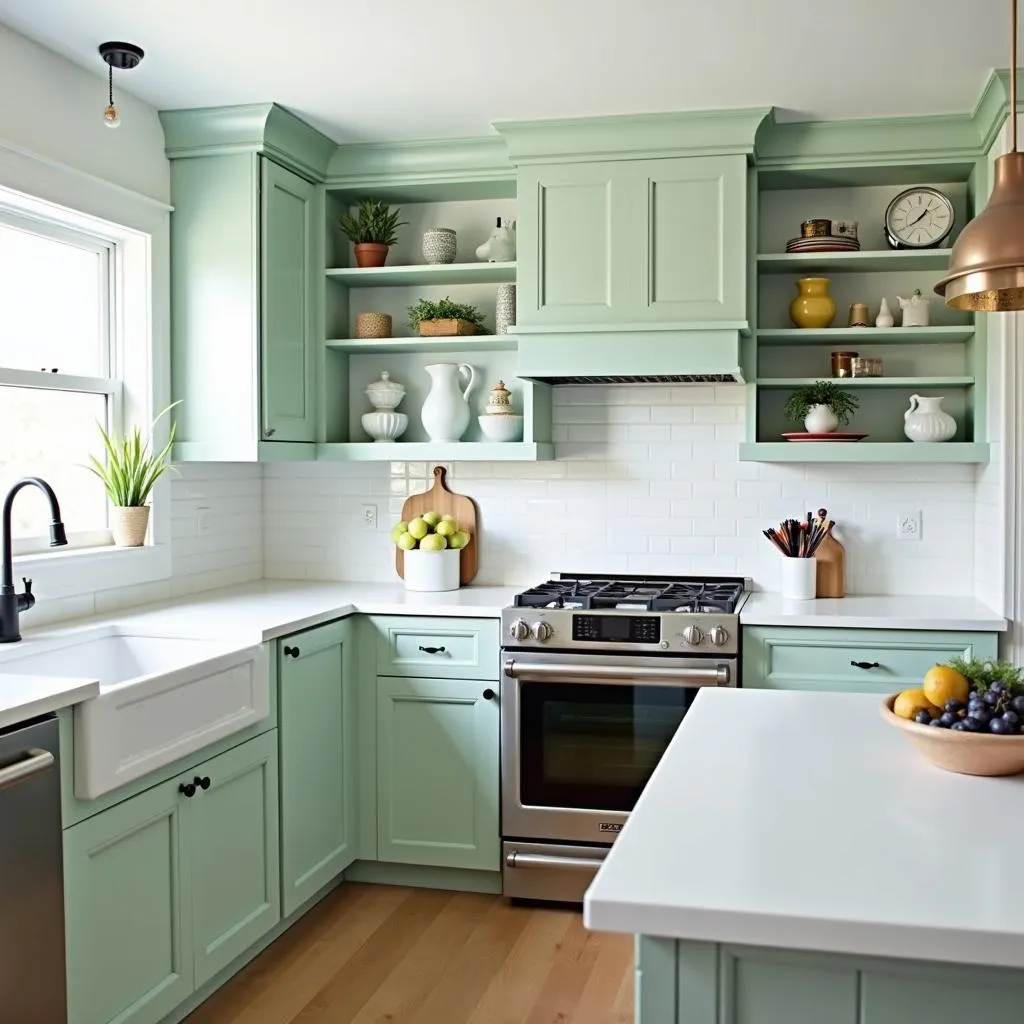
[(12, 604)]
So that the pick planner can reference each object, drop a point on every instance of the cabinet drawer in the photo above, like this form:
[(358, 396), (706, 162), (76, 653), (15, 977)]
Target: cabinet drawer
[(851, 660), (437, 648)]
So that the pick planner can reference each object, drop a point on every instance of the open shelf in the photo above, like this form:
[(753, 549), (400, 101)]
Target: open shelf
[(881, 260), (457, 343), (863, 451), (868, 382), (424, 274), (437, 451), (866, 335)]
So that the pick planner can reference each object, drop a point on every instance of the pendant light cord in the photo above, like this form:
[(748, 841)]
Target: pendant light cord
[(110, 87), (1013, 75)]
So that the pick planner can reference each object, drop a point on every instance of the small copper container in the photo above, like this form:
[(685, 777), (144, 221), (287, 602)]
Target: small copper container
[(816, 228), (842, 364), (858, 314), (866, 366)]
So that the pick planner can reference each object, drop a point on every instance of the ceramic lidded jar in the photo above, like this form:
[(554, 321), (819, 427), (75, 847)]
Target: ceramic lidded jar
[(499, 401), (385, 393), (813, 308), (439, 245), (926, 421)]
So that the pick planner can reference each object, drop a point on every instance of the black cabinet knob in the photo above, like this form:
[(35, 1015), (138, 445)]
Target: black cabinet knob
[(865, 664), (292, 652), (489, 694), (188, 789), (203, 783), (432, 650)]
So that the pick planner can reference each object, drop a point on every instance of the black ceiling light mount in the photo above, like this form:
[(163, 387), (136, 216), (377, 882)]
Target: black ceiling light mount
[(124, 57)]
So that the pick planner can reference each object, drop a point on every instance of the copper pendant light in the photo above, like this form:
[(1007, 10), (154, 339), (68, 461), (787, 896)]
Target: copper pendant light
[(986, 269)]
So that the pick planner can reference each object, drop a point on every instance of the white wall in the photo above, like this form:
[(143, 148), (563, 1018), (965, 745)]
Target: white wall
[(646, 479)]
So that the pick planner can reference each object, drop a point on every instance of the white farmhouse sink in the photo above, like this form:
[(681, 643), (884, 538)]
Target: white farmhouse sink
[(160, 698)]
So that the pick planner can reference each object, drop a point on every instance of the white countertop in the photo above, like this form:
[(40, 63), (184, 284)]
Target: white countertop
[(802, 821), (865, 611), (24, 697)]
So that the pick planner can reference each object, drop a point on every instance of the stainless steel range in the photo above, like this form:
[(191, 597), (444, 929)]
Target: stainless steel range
[(597, 674)]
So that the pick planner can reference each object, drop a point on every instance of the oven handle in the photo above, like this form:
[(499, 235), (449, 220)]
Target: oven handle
[(609, 674), (515, 859)]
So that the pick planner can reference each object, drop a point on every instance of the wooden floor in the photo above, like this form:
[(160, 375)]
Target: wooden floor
[(376, 954)]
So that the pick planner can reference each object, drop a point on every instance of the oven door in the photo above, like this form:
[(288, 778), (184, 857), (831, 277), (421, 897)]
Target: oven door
[(581, 735)]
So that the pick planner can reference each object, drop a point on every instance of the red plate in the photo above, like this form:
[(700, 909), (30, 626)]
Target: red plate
[(836, 435)]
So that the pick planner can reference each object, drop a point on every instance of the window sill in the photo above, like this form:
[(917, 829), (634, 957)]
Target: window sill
[(80, 571)]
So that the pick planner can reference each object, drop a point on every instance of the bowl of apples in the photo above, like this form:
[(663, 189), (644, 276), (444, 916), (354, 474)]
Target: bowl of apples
[(432, 544)]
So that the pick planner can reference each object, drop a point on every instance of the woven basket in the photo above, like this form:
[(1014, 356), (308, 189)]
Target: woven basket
[(445, 328), (128, 525), (373, 325)]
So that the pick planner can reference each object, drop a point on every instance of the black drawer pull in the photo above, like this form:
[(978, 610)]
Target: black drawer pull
[(865, 664), (291, 652), (432, 650), (489, 694)]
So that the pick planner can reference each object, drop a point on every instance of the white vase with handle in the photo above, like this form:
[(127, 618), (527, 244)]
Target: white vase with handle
[(445, 414), (926, 421)]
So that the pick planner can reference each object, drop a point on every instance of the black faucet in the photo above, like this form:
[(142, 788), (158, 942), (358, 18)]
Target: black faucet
[(12, 604)]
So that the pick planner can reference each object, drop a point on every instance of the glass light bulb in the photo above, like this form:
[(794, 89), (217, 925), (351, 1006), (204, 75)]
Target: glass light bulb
[(111, 117)]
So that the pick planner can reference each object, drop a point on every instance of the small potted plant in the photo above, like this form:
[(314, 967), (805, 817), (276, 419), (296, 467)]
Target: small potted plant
[(128, 475), (821, 406), (372, 231), (445, 319)]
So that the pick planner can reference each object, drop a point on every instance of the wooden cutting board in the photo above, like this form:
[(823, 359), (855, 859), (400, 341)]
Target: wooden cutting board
[(445, 503), (831, 569)]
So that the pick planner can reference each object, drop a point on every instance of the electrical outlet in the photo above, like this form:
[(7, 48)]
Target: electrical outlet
[(369, 514), (908, 525), (202, 523)]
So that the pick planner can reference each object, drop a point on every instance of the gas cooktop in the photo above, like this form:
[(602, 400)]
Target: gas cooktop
[(693, 594)]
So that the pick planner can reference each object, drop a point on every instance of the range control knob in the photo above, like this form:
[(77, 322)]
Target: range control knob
[(541, 632), (718, 635), (693, 635), (519, 630)]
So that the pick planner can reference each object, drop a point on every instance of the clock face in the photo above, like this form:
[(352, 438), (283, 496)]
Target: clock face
[(918, 218)]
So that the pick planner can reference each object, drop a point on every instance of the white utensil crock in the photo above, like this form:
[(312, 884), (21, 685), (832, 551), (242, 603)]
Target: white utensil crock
[(431, 571), (445, 414), (799, 578), (926, 421)]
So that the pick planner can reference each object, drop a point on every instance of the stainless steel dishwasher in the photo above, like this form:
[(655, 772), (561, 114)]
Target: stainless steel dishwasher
[(32, 985)]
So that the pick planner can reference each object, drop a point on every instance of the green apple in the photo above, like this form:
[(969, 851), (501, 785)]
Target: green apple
[(406, 541), (433, 542), (447, 519), (431, 519), (458, 540), (397, 532), (419, 528), (447, 528)]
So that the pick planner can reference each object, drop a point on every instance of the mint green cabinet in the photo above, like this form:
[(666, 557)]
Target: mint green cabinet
[(437, 772), (633, 243), (318, 759)]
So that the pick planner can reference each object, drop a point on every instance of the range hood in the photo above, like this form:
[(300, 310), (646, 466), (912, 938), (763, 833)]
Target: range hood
[(694, 355)]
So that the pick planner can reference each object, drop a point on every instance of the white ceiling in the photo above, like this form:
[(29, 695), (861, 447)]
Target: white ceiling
[(403, 69)]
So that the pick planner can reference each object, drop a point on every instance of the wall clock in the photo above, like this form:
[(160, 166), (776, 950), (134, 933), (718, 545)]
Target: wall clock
[(918, 218)]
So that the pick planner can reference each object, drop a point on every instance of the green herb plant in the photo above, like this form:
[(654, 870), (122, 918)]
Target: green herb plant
[(821, 392), (374, 221), (445, 309), (132, 467), (983, 673)]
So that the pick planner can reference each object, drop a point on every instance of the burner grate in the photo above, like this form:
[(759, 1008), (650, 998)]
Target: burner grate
[(663, 595)]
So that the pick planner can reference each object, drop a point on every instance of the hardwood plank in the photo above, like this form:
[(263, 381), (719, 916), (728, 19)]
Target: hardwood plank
[(601, 1001), (572, 966)]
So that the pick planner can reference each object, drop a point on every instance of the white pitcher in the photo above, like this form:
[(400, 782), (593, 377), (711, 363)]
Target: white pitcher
[(445, 412), (926, 421)]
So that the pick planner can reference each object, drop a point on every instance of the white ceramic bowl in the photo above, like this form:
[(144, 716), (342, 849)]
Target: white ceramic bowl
[(502, 428), (385, 426)]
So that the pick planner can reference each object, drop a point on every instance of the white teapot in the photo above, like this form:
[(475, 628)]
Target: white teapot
[(500, 247), (915, 309)]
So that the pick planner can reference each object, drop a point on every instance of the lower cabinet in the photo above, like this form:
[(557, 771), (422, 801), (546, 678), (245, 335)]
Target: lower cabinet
[(437, 772), (167, 888), (317, 731)]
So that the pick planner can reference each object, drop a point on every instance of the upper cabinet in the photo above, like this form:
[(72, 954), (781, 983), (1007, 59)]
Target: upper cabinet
[(246, 281)]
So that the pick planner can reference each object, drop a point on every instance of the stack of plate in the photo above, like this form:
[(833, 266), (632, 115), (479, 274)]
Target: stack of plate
[(823, 243)]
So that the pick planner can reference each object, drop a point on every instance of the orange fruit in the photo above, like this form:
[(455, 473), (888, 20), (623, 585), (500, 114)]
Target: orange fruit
[(942, 683), (909, 702)]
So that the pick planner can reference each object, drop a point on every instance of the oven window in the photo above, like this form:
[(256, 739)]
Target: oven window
[(594, 747)]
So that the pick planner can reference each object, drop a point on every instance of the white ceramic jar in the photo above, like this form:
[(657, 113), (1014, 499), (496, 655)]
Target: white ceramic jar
[(385, 394), (439, 245), (926, 422), (799, 578), (431, 571), (820, 420)]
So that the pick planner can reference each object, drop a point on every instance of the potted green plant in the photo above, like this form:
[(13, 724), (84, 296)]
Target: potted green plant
[(445, 318), (129, 473), (372, 230), (821, 406)]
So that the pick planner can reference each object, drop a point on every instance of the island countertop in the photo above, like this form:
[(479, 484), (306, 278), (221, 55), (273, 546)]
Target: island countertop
[(802, 821)]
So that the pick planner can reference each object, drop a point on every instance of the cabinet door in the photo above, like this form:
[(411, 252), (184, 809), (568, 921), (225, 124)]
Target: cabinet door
[(577, 245), (437, 772), (231, 836), (318, 772), (288, 261), (693, 216), (128, 930)]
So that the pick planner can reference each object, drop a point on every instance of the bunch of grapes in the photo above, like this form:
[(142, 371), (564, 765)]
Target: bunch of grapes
[(995, 710)]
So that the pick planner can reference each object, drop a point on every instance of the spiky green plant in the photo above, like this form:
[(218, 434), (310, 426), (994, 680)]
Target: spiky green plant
[(132, 467), (374, 221)]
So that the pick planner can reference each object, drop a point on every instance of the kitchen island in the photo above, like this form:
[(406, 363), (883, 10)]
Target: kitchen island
[(793, 860)]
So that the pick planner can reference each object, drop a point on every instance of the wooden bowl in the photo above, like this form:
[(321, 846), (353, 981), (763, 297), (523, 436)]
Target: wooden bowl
[(967, 753)]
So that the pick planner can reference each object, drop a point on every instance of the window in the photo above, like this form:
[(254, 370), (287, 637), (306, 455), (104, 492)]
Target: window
[(58, 377)]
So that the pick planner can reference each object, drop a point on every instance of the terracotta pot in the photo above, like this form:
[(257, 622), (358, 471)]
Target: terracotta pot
[(813, 307), (371, 254), (128, 525)]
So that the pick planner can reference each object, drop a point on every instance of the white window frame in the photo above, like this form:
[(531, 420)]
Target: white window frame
[(137, 230)]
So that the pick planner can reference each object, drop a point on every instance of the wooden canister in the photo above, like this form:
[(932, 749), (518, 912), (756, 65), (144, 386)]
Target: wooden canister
[(831, 570)]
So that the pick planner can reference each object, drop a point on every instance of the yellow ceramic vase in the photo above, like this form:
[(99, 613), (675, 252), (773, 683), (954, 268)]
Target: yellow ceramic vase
[(813, 307)]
